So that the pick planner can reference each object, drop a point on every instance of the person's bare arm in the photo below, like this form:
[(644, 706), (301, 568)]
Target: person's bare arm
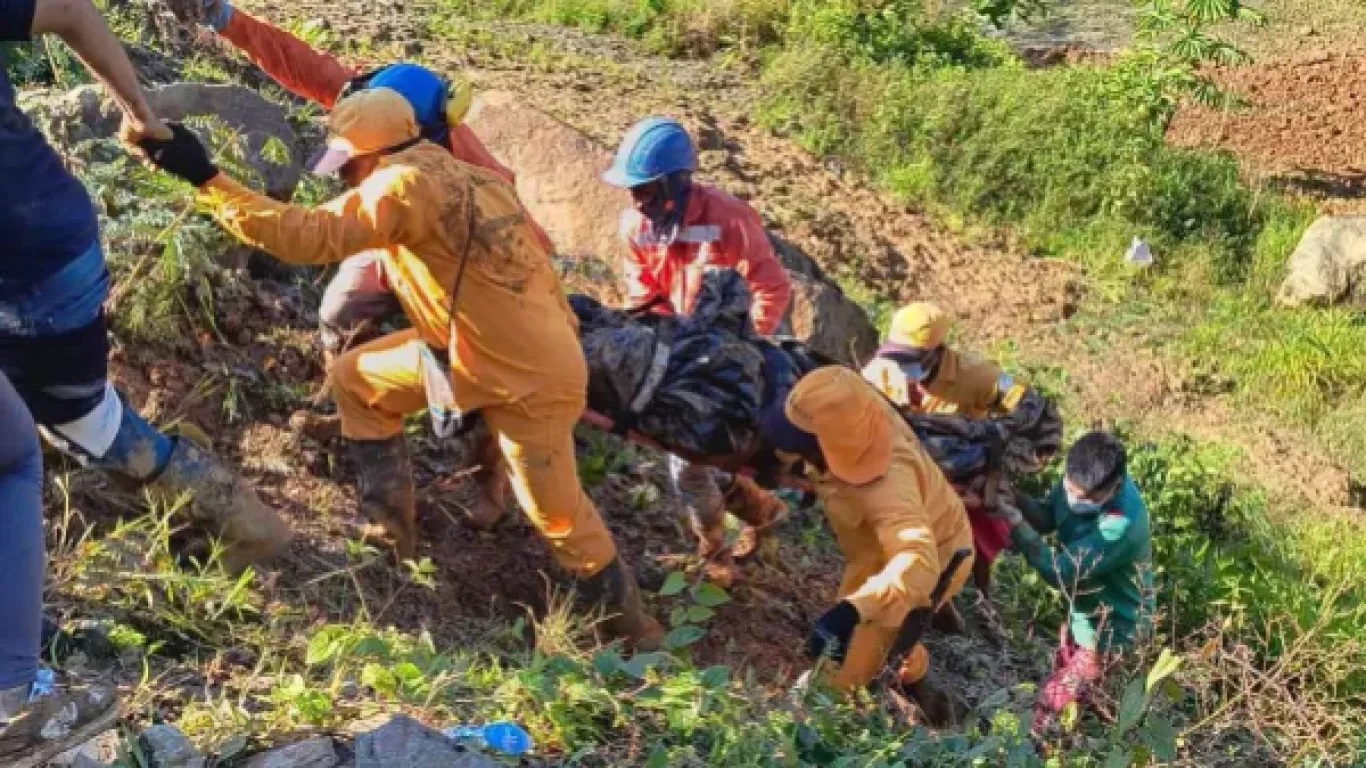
[(80, 24)]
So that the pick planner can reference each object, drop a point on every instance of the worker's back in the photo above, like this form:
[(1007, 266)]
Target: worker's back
[(515, 333)]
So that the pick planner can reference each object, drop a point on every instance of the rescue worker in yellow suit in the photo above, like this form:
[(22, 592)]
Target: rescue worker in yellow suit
[(920, 373), (490, 325), (895, 517)]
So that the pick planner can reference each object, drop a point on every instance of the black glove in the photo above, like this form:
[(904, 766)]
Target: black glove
[(832, 632), (181, 155)]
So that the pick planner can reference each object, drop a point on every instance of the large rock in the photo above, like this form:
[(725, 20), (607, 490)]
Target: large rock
[(820, 314), (558, 179), (405, 743), (87, 113), (317, 752), (558, 175), (1329, 265)]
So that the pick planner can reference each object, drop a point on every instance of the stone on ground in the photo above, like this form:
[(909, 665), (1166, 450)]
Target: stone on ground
[(317, 752), (166, 747), (405, 743), (1329, 265)]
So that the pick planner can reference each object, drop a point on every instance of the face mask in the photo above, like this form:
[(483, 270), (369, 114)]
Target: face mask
[(1084, 506), (914, 371)]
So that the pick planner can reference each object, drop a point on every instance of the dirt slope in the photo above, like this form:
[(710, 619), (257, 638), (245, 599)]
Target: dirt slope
[(1301, 124)]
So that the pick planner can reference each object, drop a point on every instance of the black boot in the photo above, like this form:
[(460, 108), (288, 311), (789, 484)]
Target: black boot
[(384, 473), (614, 588)]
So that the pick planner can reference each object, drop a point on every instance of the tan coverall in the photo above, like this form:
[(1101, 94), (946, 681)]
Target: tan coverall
[(516, 356)]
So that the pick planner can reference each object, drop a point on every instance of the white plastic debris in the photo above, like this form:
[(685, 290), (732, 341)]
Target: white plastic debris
[(1139, 253)]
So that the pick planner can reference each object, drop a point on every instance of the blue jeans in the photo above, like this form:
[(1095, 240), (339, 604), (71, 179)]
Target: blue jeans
[(21, 541)]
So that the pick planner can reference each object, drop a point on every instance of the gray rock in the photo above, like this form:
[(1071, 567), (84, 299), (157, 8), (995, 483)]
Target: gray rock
[(559, 173), (1329, 265), (87, 113), (166, 747), (317, 752), (829, 322), (405, 743)]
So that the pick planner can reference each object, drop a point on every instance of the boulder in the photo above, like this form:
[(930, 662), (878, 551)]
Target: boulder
[(317, 752), (87, 113), (166, 747), (558, 175), (820, 314), (1329, 264), (405, 743), (828, 322)]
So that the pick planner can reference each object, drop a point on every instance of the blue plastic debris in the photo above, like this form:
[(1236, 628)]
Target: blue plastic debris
[(503, 736)]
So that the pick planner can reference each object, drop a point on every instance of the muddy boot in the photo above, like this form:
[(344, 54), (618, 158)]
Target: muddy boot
[(941, 709), (614, 588), (323, 427), (384, 473), (757, 508), (718, 559), (224, 504), (44, 725), (490, 507)]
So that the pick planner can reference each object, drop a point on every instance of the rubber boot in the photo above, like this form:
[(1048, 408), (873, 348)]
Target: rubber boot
[(490, 506), (941, 709), (224, 504), (757, 508), (384, 472), (614, 588)]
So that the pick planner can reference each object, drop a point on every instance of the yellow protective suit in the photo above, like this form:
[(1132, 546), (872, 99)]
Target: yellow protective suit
[(962, 383), (516, 356), (896, 531)]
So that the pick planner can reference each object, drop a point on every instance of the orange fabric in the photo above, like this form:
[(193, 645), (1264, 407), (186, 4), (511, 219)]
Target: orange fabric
[(319, 77), (720, 230), (377, 383), (371, 121), (871, 641), (849, 422), (516, 336), (289, 61), (964, 384), (896, 533)]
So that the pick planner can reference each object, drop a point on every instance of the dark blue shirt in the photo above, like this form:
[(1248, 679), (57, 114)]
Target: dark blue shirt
[(46, 217)]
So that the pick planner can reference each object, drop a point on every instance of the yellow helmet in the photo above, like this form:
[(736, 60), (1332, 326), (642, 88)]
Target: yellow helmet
[(921, 325), (459, 97)]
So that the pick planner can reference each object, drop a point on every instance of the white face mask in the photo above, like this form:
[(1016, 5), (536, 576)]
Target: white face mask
[(1086, 506)]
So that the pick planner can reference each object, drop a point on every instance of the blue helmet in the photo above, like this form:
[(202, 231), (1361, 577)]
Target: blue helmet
[(654, 148), (423, 89)]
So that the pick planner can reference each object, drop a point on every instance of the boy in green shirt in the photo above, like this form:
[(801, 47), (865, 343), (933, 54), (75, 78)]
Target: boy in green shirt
[(1102, 559)]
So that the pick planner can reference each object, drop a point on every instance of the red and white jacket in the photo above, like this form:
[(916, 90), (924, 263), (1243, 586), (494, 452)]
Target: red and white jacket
[(719, 231)]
